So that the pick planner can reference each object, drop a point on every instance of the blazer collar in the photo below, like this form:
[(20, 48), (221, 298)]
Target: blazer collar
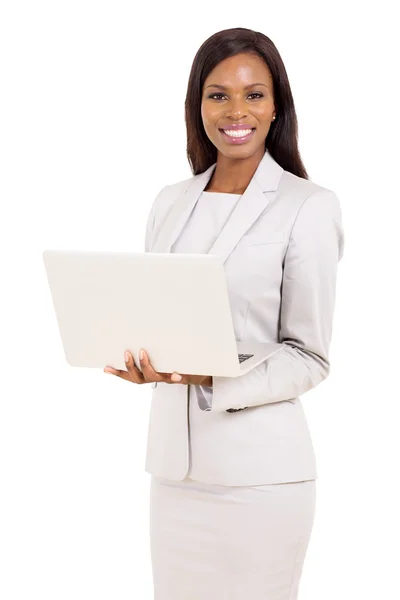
[(259, 193)]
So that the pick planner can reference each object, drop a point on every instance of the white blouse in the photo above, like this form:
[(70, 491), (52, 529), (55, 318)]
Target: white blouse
[(205, 223)]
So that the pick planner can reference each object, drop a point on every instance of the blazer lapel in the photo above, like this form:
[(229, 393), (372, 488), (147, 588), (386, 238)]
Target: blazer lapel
[(259, 193)]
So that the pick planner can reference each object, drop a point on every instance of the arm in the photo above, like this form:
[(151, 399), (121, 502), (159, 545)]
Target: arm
[(307, 308)]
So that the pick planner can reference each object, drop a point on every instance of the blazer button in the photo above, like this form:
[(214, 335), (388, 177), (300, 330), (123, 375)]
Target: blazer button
[(154, 384)]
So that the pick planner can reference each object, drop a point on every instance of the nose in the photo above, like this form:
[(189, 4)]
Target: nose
[(236, 108)]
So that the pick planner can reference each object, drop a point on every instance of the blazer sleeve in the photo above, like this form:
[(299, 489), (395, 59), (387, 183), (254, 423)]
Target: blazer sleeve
[(315, 247)]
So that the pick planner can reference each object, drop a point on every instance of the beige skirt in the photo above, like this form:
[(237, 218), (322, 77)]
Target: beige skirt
[(213, 542)]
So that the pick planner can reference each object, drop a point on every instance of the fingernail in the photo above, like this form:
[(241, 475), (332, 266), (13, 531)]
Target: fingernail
[(176, 377), (141, 355), (126, 356)]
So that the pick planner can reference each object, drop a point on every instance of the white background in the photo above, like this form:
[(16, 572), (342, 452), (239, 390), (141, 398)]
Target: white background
[(92, 127)]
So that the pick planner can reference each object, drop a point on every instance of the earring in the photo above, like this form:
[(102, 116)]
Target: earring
[(273, 118)]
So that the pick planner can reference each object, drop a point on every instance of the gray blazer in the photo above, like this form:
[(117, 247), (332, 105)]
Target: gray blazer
[(280, 247)]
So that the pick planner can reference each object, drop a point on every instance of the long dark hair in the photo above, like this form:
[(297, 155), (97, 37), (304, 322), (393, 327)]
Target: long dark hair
[(281, 140)]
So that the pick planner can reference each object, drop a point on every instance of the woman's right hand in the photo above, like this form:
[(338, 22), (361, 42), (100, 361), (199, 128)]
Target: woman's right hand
[(149, 375), (134, 375)]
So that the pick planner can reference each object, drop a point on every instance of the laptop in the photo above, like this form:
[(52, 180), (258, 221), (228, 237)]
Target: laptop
[(174, 306)]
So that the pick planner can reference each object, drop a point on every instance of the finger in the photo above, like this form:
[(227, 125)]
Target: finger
[(178, 378), (148, 371), (187, 379), (133, 371), (119, 373)]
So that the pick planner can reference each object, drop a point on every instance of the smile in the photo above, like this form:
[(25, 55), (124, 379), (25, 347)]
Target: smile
[(237, 136)]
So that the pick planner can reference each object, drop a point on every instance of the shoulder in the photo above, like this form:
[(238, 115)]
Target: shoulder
[(302, 194), (291, 184), (316, 214), (178, 186), (164, 200), (169, 192)]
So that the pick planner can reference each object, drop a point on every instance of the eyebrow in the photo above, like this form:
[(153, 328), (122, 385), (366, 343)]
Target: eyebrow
[(222, 87)]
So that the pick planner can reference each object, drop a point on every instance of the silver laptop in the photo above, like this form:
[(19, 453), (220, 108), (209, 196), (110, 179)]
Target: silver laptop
[(175, 306)]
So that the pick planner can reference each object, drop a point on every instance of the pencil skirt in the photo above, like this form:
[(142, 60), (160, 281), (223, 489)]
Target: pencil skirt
[(214, 542)]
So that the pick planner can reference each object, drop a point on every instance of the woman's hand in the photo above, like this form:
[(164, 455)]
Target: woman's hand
[(149, 375)]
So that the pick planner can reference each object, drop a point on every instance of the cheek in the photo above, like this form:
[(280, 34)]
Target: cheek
[(263, 112), (206, 120), (209, 129), (210, 115)]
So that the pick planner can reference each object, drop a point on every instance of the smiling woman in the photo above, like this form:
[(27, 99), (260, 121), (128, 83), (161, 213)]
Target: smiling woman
[(233, 469)]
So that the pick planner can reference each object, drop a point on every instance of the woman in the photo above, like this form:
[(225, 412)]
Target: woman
[(232, 462)]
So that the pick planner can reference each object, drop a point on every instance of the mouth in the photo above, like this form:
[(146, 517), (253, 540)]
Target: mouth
[(237, 136)]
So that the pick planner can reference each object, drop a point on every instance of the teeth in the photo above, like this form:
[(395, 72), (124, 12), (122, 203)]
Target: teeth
[(237, 133)]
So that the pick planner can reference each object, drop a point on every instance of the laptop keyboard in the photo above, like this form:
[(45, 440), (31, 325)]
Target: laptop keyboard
[(243, 357)]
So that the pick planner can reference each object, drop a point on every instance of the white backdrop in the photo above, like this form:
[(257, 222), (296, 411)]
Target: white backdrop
[(92, 127)]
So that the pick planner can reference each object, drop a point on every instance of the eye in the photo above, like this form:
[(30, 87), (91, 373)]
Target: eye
[(212, 96)]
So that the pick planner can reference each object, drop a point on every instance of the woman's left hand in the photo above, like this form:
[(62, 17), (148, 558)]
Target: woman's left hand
[(149, 375)]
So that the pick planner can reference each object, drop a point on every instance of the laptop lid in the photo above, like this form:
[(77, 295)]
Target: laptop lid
[(173, 305)]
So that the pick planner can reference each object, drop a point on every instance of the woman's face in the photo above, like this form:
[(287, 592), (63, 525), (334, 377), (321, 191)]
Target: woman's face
[(238, 91)]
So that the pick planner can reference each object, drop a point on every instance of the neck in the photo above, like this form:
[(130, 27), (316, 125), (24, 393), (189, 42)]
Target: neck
[(233, 175)]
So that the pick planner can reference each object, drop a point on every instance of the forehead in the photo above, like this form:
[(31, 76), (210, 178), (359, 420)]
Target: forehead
[(240, 69)]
